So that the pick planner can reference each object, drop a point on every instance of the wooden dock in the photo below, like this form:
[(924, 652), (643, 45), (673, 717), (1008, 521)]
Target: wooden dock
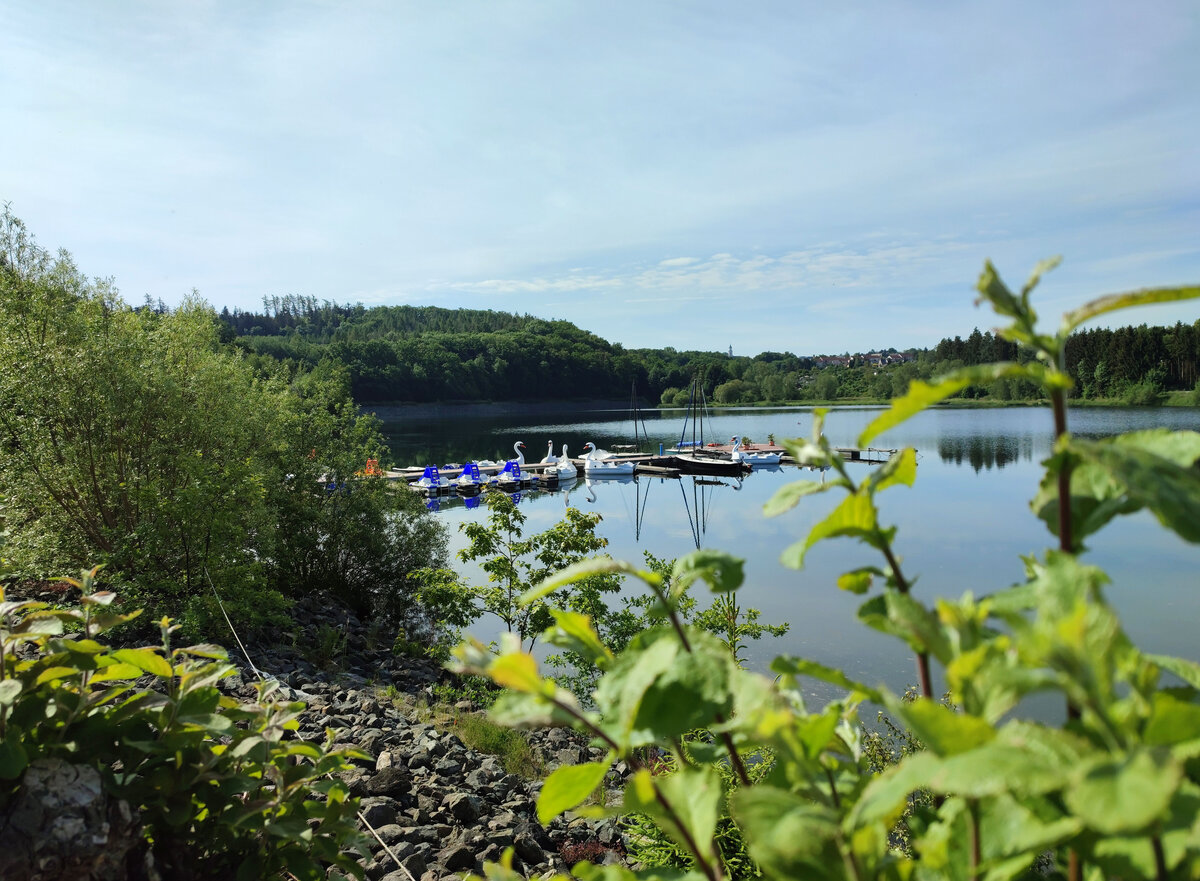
[(869, 456)]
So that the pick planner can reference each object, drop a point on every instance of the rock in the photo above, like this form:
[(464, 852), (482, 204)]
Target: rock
[(378, 811), (464, 807), (395, 782), (62, 825), (457, 857)]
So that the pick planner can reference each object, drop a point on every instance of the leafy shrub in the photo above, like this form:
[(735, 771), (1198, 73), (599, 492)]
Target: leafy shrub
[(1113, 792), (221, 790)]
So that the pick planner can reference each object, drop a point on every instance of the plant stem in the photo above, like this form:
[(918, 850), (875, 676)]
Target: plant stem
[(1066, 540), (976, 844), (710, 871), (1160, 858), (902, 585), (837, 801), (739, 766)]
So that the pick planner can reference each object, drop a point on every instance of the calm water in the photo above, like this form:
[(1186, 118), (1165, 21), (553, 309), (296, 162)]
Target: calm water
[(962, 526)]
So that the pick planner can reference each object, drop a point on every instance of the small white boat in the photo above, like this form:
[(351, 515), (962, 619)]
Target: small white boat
[(595, 467), (750, 457)]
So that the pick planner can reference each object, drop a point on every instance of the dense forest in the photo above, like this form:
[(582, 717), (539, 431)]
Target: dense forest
[(425, 353)]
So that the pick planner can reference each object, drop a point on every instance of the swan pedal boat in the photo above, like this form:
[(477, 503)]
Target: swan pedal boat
[(750, 457), (593, 467)]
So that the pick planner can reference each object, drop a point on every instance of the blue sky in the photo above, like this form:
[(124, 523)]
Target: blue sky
[(812, 177)]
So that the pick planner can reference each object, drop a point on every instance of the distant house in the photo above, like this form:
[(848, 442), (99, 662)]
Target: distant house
[(832, 361)]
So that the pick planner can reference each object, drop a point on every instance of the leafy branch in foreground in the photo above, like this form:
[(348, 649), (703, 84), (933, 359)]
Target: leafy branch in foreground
[(220, 790), (1113, 791)]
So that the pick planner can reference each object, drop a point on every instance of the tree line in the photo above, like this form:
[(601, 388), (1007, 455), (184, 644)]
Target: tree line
[(426, 353)]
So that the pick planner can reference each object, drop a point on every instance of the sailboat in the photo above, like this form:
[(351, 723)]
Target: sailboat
[(689, 456)]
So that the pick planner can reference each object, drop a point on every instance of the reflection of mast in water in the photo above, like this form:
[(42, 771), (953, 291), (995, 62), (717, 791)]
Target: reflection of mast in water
[(639, 508), (701, 501)]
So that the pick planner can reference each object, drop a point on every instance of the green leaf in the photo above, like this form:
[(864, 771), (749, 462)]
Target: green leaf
[(996, 768), (694, 796), (1116, 796), (722, 572), (13, 758), (787, 497), (993, 289), (1112, 302), (145, 659), (1042, 267), (116, 671), (515, 710), (899, 470), (887, 794), (568, 786), (790, 666), (900, 615), (1152, 480), (854, 516), (922, 395), (1171, 721), (581, 570), (943, 731), (1188, 671), (858, 580), (574, 631), (656, 690), (53, 674), (9, 689), (789, 837), (517, 671)]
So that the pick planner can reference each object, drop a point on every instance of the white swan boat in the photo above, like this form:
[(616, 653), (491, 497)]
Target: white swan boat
[(750, 457), (566, 468), (595, 467)]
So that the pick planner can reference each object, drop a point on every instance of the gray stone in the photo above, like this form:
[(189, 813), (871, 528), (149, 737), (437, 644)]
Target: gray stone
[(378, 811), (463, 806), (62, 825), (394, 782), (456, 857)]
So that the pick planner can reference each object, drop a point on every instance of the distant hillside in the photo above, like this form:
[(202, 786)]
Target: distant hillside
[(426, 354)]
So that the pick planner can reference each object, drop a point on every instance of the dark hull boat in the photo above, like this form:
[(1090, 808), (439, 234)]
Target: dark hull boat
[(690, 463)]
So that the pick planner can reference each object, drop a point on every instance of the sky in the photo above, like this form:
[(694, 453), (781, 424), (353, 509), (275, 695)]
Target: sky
[(767, 176)]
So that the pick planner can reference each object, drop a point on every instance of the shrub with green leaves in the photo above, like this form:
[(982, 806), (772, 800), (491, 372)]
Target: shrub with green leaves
[(1112, 792), (221, 790)]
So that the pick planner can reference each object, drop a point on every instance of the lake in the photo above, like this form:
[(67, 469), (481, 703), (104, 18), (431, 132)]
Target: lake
[(962, 527)]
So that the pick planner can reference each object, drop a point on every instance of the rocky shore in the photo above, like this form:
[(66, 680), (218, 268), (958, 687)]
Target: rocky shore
[(432, 808), (435, 808)]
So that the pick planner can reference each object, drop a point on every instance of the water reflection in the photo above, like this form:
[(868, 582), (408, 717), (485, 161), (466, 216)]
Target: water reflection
[(985, 451), (957, 530)]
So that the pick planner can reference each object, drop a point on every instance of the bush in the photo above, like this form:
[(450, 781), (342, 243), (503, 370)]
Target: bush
[(220, 792)]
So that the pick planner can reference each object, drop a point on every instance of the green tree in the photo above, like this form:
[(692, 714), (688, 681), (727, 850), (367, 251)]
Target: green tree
[(338, 530), (514, 564), (129, 437)]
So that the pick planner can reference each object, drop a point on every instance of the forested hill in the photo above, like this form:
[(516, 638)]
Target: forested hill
[(426, 353)]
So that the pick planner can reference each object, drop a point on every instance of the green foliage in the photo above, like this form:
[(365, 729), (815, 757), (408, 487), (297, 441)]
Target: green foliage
[(135, 437), (514, 564), (221, 791), (1113, 792)]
